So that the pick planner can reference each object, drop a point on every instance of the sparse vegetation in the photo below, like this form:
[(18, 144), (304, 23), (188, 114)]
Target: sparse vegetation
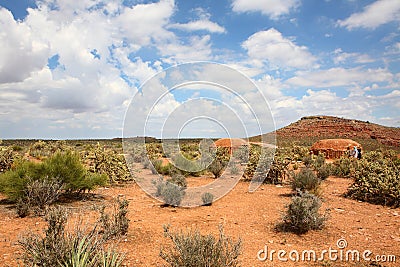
[(179, 180), (39, 184), (207, 198), (39, 194), (344, 167), (323, 171), (171, 193), (107, 162), (195, 249), (117, 223), (59, 248), (217, 167), (376, 180), (302, 215), (305, 181), (7, 158)]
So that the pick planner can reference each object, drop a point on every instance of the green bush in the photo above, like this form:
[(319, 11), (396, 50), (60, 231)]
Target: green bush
[(64, 167), (207, 199), (158, 167), (107, 162), (344, 167), (194, 249), (305, 180), (376, 180), (302, 215), (185, 165)]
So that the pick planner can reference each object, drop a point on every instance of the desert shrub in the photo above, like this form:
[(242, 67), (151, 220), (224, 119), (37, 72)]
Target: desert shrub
[(242, 154), (195, 249), (58, 248), (172, 194), (178, 179), (186, 166), (63, 167), (323, 171), (159, 168), (146, 163), (169, 192), (117, 223), (159, 183), (17, 148), (305, 180), (234, 169), (217, 167), (344, 167), (50, 250), (376, 180), (207, 198), (137, 152), (39, 194), (319, 161), (302, 215), (155, 165), (22, 208), (307, 160), (70, 171), (14, 181)]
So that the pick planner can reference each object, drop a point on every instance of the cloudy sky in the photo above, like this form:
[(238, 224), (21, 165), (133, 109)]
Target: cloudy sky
[(69, 69)]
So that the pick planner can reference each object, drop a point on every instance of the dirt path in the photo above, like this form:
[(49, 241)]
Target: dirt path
[(251, 216)]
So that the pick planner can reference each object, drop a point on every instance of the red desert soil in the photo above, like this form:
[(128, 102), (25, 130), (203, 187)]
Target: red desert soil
[(250, 216)]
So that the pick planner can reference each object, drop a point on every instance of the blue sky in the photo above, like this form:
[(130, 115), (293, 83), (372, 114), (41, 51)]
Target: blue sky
[(68, 69)]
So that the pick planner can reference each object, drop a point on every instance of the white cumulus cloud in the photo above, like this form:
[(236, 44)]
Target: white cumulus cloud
[(339, 77), (198, 25), (373, 15), (273, 9), (273, 47), (21, 52)]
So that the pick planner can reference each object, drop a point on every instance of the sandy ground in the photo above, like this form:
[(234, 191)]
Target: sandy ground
[(250, 216)]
